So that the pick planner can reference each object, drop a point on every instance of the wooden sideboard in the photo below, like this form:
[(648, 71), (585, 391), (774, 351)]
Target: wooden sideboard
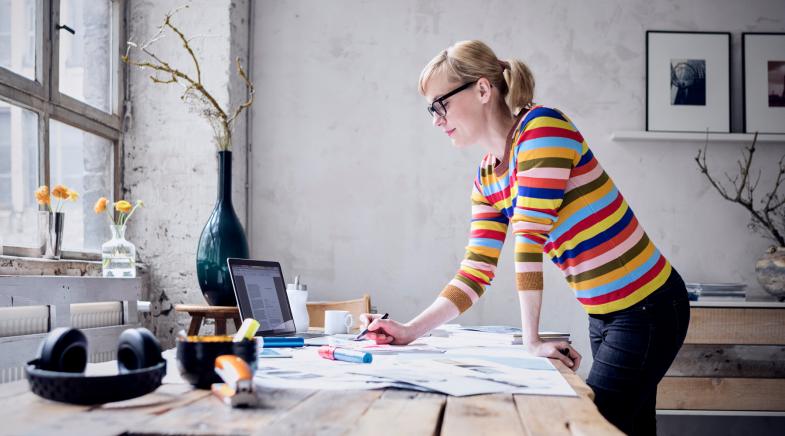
[(733, 359)]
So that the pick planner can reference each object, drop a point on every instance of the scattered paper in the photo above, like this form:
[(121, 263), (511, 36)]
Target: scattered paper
[(468, 362)]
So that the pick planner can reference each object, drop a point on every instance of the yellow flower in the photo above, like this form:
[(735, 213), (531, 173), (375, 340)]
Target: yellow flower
[(123, 206), (100, 205), (60, 191), (42, 195), (73, 195)]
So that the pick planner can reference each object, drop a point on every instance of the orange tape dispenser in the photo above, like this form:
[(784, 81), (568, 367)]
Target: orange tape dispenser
[(237, 390)]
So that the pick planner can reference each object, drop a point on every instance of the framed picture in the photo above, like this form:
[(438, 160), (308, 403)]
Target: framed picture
[(763, 72), (687, 81)]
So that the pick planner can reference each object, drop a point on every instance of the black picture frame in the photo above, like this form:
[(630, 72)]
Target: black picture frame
[(721, 123), (775, 128)]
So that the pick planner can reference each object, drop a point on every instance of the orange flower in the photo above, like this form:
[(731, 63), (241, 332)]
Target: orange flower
[(123, 206), (73, 195), (42, 195), (60, 191), (100, 205)]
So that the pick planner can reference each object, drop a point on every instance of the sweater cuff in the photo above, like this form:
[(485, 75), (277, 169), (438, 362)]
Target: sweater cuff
[(529, 281), (457, 297)]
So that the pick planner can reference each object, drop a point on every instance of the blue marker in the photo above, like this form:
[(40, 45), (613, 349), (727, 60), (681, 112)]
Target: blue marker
[(346, 355), (281, 342)]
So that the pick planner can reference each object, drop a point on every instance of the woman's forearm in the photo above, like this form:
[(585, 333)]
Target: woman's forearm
[(439, 312), (530, 302)]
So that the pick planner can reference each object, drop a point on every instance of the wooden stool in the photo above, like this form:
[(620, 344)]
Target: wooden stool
[(219, 313)]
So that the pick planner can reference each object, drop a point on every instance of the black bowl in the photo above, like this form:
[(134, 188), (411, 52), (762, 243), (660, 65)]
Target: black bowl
[(196, 357)]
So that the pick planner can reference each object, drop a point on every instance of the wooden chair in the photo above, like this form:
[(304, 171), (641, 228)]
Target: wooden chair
[(355, 307)]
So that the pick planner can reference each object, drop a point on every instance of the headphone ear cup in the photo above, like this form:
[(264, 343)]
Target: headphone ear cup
[(63, 350), (137, 349)]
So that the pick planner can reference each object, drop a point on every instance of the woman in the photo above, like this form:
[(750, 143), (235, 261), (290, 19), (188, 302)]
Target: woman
[(540, 177)]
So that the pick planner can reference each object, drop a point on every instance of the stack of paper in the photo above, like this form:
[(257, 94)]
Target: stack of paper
[(517, 339)]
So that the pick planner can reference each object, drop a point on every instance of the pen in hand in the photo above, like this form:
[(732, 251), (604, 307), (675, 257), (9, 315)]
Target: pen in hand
[(365, 331)]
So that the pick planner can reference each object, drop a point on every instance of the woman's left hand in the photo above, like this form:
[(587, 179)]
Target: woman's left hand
[(557, 350)]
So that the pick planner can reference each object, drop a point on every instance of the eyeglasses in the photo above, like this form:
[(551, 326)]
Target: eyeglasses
[(437, 107)]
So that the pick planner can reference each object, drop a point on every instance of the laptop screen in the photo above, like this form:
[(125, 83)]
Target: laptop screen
[(261, 295)]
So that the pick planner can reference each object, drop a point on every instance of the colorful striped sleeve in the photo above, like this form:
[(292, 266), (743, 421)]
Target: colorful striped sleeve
[(547, 150), (486, 237)]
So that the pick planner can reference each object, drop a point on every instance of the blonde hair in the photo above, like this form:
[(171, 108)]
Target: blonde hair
[(467, 61)]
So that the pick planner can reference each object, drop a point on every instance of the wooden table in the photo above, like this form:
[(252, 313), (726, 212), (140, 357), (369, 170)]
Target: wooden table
[(180, 409)]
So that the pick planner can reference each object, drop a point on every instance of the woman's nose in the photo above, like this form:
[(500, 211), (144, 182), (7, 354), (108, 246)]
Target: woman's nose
[(438, 120)]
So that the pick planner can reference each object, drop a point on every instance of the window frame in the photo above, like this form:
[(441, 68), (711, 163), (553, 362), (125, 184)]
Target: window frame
[(43, 96)]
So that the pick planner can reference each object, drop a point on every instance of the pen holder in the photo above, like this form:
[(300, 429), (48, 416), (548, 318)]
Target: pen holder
[(297, 301)]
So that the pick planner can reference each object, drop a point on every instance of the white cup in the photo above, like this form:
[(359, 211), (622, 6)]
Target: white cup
[(337, 321)]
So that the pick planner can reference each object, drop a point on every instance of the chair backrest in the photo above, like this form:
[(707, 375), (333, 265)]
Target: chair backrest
[(355, 307)]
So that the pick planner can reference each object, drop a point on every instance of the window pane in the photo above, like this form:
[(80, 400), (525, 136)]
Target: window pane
[(18, 175), (17, 36), (82, 162), (85, 61)]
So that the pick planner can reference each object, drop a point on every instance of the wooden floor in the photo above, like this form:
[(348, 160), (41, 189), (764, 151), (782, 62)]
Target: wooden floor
[(179, 409)]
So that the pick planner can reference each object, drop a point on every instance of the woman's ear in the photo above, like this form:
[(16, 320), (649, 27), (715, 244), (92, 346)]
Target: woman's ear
[(484, 90)]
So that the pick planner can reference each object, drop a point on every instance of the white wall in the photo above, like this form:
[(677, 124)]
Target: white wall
[(169, 154), (353, 189)]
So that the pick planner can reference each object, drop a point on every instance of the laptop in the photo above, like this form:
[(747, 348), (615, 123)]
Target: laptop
[(260, 290)]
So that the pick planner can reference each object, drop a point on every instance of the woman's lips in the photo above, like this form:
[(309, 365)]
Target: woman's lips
[(449, 132)]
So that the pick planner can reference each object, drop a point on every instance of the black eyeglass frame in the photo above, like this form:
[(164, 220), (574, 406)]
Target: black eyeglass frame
[(437, 105)]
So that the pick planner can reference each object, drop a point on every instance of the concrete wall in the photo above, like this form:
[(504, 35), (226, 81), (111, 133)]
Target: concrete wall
[(169, 155), (353, 189)]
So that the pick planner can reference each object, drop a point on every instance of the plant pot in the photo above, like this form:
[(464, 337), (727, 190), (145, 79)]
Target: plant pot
[(223, 236), (771, 272)]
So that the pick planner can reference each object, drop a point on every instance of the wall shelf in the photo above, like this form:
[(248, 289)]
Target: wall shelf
[(740, 138)]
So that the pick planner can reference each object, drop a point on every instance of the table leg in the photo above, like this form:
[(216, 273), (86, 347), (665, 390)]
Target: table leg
[(220, 326), (196, 322), (237, 322)]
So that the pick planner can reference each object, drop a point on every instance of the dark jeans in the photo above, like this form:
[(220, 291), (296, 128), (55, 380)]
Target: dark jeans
[(632, 350)]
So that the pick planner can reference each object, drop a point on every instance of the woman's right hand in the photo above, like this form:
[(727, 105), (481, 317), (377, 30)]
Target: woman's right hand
[(557, 350), (386, 331)]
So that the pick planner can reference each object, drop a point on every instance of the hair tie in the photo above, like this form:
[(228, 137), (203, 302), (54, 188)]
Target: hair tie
[(504, 64)]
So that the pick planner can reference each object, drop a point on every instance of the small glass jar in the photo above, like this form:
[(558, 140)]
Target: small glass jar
[(118, 255)]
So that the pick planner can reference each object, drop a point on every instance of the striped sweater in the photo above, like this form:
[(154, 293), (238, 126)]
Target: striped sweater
[(558, 201)]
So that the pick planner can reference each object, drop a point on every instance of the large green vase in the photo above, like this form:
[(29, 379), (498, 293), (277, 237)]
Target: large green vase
[(222, 237)]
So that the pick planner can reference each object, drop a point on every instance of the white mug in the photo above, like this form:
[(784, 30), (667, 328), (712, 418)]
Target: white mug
[(337, 321)]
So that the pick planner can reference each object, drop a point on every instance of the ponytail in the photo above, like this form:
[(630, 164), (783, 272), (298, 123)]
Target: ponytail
[(520, 85)]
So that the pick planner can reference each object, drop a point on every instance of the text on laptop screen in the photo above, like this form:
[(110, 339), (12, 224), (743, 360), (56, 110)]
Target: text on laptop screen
[(265, 290)]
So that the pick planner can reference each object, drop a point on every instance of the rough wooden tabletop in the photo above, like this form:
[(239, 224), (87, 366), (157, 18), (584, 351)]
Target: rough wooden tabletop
[(180, 409)]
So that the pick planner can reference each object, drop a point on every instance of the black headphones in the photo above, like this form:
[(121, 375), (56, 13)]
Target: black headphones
[(58, 371)]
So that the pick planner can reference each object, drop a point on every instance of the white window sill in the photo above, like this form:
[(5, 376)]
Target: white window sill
[(34, 253), (36, 266)]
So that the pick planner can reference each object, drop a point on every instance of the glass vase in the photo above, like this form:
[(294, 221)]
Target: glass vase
[(222, 237), (118, 255)]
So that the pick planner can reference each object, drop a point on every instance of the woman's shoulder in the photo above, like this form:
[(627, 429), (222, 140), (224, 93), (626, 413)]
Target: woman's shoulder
[(541, 113)]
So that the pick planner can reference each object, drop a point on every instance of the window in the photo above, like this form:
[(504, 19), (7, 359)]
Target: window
[(85, 61), (18, 36), (60, 115), (18, 173)]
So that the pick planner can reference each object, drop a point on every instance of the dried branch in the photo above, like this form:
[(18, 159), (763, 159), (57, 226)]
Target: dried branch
[(195, 95), (249, 87), (765, 220)]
